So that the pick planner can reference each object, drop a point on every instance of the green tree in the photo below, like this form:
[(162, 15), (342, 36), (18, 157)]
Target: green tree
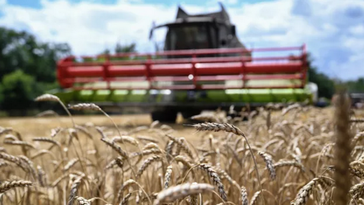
[(356, 86), (27, 67), (106, 52), (19, 90), (125, 48), (326, 86), (21, 50)]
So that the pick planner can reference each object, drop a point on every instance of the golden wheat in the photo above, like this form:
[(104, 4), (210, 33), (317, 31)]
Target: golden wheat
[(297, 148)]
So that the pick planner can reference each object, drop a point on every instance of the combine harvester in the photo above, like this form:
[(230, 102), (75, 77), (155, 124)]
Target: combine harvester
[(204, 66)]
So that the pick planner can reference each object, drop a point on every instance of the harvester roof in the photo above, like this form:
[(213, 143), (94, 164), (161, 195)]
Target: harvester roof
[(182, 17), (220, 16)]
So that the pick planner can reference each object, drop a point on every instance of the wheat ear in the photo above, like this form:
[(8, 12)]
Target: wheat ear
[(167, 177), (125, 185), (30, 166), (305, 192), (19, 143), (94, 107), (185, 162), (268, 160), (254, 199), (146, 164), (128, 183), (181, 143), (82, 200), (180, 191), (117, 161), (5, 185), (232, 129), (287, 164), (356, 190), (119, 151), (215, 178), (125, 200), (74, 189), (14, 160), (244, 196)]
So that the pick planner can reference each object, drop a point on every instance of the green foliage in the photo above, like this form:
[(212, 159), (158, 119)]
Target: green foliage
[(20, 50), (19, 90), (27, 68), (326, 86), (1, 94), (105, 52), (125, 49), (356, 86)]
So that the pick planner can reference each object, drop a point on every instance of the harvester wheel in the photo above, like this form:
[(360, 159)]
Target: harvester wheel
[(188, 114), (164, 116)]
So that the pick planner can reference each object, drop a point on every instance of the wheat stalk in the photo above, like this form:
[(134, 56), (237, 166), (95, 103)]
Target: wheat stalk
[(93, 107), (45, 139), (343, 150), (70, 164), (147, 139), (50, 97)]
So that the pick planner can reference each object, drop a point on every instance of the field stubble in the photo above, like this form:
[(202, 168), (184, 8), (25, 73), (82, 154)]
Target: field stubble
[(276, 157)]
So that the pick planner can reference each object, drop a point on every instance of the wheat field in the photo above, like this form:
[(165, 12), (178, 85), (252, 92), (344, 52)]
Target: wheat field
[(297, 155)]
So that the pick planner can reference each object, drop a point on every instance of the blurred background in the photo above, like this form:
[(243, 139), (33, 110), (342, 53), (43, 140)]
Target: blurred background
[(35, 34)]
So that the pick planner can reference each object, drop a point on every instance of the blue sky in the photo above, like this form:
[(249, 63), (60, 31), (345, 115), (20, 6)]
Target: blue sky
[(37, 3), (332, 29)]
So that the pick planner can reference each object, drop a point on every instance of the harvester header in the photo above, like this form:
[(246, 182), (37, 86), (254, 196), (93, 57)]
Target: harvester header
[(194, 72)]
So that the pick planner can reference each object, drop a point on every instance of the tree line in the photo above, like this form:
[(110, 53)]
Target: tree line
[(28, 69)]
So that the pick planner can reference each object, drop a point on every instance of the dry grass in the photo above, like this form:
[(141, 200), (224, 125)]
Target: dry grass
[(130, 160)]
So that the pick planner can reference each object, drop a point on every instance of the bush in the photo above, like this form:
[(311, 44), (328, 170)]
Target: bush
[(18, 91)]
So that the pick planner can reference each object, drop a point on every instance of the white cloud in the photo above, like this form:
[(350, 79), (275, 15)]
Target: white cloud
[(357, 30), (331, 29)]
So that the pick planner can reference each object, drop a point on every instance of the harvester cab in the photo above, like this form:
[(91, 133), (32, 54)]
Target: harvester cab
[(203, 66), (202, 31)]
